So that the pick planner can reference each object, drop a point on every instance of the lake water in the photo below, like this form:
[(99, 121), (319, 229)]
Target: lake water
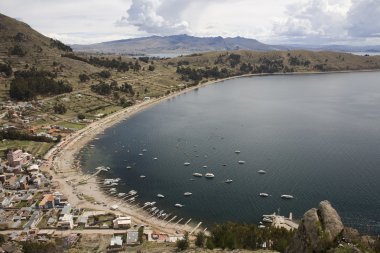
[(317, 136)]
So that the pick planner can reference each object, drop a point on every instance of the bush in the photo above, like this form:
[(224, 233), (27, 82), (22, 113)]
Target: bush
[(83, 78), (200, 240), (59, 108), (17, 50), (104, 74), (151, 68), (81, 116), (184, 243), (6, 69)]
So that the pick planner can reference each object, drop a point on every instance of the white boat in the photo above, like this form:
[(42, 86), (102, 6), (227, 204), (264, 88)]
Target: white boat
[(241, 162), (160, 196), (129, 167), (237, 151), (113, 184), (262, 172), (209, 175), (197, 174), (155, 158), (121, 194), (147, 204), (205, 166), (132, 192), (261, 226), (179, 205), (263, 194), (141, 154), (153, 203), (187, 194), (286, 196), (228, 181), (186, 164), (142, 176), (144, 150), (153, 208)]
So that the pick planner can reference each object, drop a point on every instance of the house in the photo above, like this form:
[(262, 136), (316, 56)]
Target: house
[(11, 183), (116, 243), (33, 169), (18, 158), (23, 182), (122, 222), (47, 202), (132, 237), (33, 221), (65, 210), (66, 222)]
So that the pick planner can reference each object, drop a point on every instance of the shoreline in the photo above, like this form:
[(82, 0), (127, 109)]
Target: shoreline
[(62, 159)]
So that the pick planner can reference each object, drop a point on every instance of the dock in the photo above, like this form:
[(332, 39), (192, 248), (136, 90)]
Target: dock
[(196, 227)]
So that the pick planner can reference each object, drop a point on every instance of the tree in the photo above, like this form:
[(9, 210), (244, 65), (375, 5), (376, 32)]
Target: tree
[(184, 243), (200, 240), (59, 108)]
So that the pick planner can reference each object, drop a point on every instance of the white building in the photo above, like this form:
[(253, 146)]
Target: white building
[(122, 222)]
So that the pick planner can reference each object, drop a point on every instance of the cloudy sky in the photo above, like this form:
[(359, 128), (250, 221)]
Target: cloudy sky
[(353, 22)]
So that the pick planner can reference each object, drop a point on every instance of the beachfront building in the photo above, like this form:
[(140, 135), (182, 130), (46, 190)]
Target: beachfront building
[(122, 222), (132, 237), (47, 202), (18, 158)]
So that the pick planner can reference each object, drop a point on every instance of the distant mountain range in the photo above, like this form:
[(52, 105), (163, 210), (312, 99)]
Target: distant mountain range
[(185, 44)]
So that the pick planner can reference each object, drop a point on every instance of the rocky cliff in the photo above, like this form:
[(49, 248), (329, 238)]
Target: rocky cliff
[(322, 230)]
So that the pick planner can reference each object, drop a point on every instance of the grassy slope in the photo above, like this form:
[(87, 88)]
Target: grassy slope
[(163, 80)]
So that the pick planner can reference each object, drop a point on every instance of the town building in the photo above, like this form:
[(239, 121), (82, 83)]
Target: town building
[(18, 158), (47, 202)]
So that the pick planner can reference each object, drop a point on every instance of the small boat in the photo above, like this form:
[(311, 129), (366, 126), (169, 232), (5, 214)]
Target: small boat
[(113, 184), (205, 166), (142, 176), (141, 154), (147, 204), (153, 203), (153, 208), (121, 194), (129, 167), (179, 205), (186, 164), (266, 219), (286, 196), (197, 174), (261, 226), (228, 181), (262, 172), (209, 175), (160, 196), (241, 162), (144, 150), (237, 151), (187, 194), (155, 158), (263, 194)]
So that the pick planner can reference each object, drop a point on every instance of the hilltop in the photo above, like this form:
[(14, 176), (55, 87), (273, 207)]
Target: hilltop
[(184, 44)]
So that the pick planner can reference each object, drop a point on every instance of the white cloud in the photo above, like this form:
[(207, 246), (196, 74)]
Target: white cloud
[(314, 21), (154, 17)]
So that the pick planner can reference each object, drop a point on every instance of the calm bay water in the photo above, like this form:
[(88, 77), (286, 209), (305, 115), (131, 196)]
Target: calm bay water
[(317, 136)]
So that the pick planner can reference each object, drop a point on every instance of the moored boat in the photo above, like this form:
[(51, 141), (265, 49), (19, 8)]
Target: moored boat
[(286, 196), (197, 174), (187, 194), (179, 205), (160, 196), (186, 164), (263, 194), (209, 175), (261, 172), (241, 162), (228, 181)]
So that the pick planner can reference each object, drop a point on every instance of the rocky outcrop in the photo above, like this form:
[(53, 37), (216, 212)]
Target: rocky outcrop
[(318, 230)]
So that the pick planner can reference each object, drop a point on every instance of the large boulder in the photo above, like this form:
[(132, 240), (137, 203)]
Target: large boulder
[(317, 231)]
